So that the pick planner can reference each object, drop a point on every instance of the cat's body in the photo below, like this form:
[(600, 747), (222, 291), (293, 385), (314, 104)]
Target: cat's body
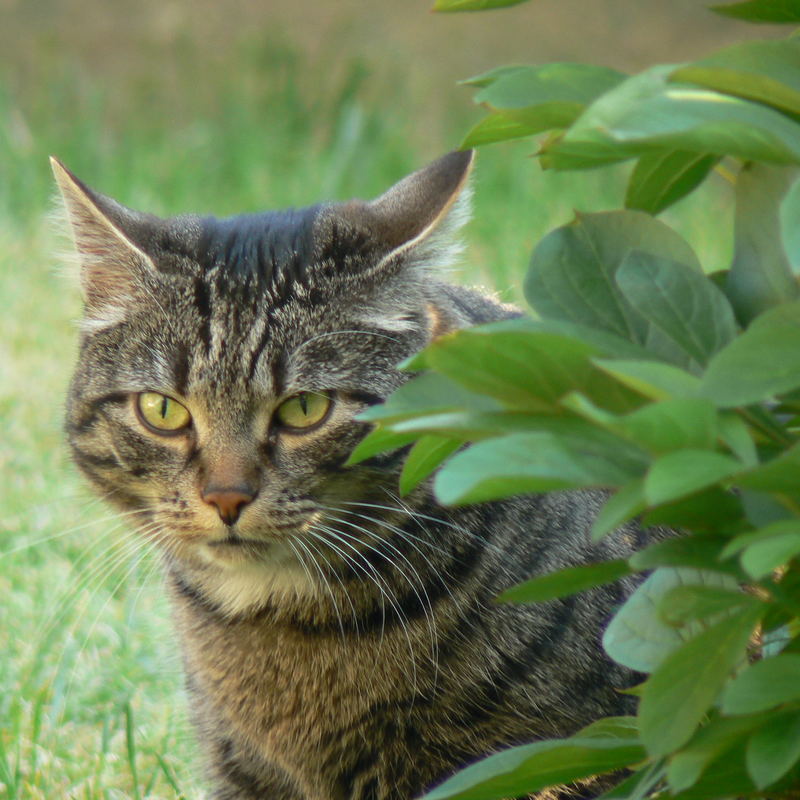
[(340, 643), (387, 710)]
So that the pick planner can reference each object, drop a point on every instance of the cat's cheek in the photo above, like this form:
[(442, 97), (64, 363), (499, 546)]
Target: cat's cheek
[(116, 467), (155, 471), (312, 467)]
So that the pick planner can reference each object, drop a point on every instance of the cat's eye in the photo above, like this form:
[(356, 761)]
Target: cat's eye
[(303, 410), (161, 413)]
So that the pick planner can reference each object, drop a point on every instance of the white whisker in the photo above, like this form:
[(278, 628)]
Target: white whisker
[(425, 604), (325, 582), (68, 532)]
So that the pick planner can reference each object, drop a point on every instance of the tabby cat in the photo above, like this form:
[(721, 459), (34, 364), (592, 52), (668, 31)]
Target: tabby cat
[(339, 642)]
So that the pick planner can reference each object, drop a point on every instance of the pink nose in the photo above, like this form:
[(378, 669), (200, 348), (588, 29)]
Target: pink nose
[(228, 502)]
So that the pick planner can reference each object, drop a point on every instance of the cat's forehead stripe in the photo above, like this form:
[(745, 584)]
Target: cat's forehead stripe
[(202, 302), (181, 365)]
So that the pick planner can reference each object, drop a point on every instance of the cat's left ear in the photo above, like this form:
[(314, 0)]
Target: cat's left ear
[(106, 236), (415, 220)]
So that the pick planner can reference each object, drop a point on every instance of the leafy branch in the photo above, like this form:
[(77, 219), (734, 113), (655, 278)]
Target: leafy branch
[(676, 391)]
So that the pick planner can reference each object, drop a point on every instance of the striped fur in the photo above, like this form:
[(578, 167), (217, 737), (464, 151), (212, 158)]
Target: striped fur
[(340, 643)]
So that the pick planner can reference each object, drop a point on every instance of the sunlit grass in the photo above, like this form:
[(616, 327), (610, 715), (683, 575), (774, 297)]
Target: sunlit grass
[(91, 704)]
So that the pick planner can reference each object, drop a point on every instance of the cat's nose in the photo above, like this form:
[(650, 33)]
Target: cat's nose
[(229, 502)]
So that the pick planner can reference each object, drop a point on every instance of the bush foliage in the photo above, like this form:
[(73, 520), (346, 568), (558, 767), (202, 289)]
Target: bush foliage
[(676, 389)]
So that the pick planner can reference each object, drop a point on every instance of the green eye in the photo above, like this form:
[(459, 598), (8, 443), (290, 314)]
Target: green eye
[(161, 413), (303, 410)]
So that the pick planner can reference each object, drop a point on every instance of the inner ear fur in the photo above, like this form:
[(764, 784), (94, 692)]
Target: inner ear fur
[(110, 259)]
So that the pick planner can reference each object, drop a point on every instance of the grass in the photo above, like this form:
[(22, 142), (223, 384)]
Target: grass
[(92, 704)]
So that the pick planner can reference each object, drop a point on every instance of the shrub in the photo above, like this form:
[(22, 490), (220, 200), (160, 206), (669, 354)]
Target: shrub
[(676, 389)]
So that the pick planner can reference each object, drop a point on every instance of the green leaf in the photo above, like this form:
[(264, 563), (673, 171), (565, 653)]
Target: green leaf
[(637, 637), (764, 685), (531, 767), (708, 744), (760, 275), (685, 422), (737, 437), (587, 410), (777, 476), (763, 557), (618, 509), (557, 82), (528, 370), (761, 11), (684, 472), (611, 728), (528, 100), (683, 551), (473, 5), (534, 462), (647, 112), (501, 126), (589, 250), (682, 688), (763, 509), (761, 363), (658, 427), (662, 178), (774, 749), (712, 510), (377, 441), (572, 274), (427, 392), (424, 458), (609, 344), (725, 777), (779, 529), (688, 603), (680, 301), (653, 379), (766, 71), (494, 75), (566, 582), (526, 365), (472, 426)]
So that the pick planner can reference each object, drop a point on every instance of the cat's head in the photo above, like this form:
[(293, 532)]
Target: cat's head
[(222, 363)]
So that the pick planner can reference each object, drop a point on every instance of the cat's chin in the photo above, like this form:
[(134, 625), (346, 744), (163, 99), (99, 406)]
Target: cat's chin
[(243, 576)]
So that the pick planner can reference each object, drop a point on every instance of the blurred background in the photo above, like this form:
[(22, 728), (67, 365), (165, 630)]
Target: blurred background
[(220, 107)]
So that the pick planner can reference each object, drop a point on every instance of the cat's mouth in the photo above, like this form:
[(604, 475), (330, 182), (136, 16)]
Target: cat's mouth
[(233, 538), (267, 542), (233, 542), (235, 551)]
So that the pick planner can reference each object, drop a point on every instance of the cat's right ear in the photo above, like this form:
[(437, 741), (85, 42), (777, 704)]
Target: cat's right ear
[(111, 263)]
